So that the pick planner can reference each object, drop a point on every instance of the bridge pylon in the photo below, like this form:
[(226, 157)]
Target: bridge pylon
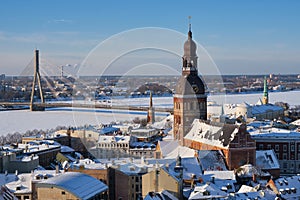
[(37, 82)]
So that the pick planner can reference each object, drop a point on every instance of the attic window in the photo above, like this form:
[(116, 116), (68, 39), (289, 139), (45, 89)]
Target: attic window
[(206, 193), (63, 192), (229, 187)]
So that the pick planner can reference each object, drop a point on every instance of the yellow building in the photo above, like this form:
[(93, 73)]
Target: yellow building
[(70, 185), (159, 180)]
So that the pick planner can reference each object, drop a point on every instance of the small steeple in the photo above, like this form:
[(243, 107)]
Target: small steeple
[(266, 93), (151, 112), (150, 104)]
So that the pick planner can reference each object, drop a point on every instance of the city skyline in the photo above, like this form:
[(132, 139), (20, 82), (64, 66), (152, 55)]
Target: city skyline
[(241, 37)]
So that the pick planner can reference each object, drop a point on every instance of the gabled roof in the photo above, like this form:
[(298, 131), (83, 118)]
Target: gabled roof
[(214, 134)]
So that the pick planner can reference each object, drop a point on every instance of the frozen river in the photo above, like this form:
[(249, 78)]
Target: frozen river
[(23, 120)]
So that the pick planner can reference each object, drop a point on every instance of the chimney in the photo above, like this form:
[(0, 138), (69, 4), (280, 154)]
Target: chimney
[(254, 177), (167, 166), (16, 175), (56, 169)]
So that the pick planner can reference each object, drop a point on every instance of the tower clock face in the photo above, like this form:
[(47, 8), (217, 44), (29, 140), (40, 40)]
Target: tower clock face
[(195, 88)]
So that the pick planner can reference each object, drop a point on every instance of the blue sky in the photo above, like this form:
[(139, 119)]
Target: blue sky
[(242, 37)]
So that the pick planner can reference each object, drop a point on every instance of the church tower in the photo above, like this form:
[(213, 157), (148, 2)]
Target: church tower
[(190, 100), (266, 92), (151, 112)]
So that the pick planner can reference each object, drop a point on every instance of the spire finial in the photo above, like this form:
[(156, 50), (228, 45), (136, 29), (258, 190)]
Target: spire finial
[(190, 25)]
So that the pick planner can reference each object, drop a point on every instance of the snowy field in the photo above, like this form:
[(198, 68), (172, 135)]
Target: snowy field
[(23, 120)]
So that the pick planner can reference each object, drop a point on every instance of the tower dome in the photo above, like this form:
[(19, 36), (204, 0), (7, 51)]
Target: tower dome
[(190, 46)]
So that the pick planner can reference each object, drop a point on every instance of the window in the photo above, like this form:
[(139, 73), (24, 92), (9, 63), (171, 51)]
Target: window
[(26, 197), (285, 165), (63, 192), (284, 157), (260, 147), (276, 147), (269, 146), (292, 147), (277, 155), (284, 147)]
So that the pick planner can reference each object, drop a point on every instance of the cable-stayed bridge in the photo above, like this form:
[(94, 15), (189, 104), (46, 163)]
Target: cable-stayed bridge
[(43, 71)]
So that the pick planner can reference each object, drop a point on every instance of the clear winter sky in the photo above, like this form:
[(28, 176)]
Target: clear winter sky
[(242, 37)]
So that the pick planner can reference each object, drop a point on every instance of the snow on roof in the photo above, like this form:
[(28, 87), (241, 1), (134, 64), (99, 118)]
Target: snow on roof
[(222, 175), (191, 167), (164, 195), (183, 151), (251, 195), (112, 138), (222, 179), (66, 149), (289, 187), (246, 189), (207, 191), (160, 161), (214, 134), (171, 149), (22, 184), (166, 123), (7, 178), (212, 160), (260, 124), (88, 164), (274, 133), (107, 130), (297, 122), (258, 109), (132, 168), (266, 159), (166, 147), (39, 145), (81, 185), (144, 145), (143, 130), (249, 170)]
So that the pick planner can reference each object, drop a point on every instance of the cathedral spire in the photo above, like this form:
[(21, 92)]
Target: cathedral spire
[(189, 64), (266, 92), (151, 112)]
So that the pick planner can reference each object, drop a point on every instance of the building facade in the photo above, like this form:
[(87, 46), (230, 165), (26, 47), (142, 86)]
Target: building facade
[(286, 145)]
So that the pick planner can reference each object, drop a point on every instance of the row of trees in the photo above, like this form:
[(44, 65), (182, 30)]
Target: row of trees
[(17, 137)]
